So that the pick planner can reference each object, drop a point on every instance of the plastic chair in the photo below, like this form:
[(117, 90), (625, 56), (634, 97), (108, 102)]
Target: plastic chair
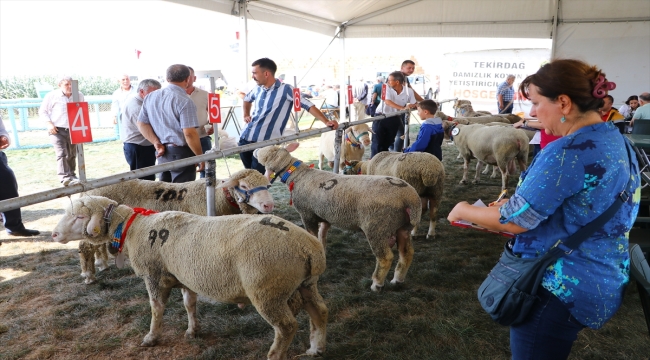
[(641, 127), (640, 271)]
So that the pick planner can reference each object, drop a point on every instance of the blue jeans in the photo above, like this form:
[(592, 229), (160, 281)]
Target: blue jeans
[(206, 144), (138, 157), (247, 158), (547, 333)]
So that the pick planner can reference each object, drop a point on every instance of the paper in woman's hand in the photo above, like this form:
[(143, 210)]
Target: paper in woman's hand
[(470, 225)]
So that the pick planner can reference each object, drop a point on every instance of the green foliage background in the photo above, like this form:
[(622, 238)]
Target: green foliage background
[(23, 87)]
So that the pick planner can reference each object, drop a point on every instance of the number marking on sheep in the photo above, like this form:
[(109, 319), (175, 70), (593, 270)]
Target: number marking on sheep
[(170, 194), (328, 187), (396, 182), (280, 225), (163, 234)]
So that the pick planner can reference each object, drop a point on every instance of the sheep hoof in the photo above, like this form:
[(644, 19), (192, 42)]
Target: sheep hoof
[(431, 236), (89, 280), (149, 341), (313, 352), (395, 281), (241, 305), (475, 182), (190, 334), (463, 182), (376, 288), (102, 268)]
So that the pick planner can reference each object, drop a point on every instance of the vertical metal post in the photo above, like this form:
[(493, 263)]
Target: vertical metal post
[(407, 120), (81, 162), (347, 101), (211, 166), (342, 104), (338, 138), (295, 85), (554, 31), (243, 15)]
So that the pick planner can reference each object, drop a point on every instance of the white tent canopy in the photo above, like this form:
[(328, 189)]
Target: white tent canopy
[(615, 34)]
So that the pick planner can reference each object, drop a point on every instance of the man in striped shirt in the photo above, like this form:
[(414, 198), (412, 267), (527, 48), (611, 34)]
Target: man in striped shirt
[(273, 104)]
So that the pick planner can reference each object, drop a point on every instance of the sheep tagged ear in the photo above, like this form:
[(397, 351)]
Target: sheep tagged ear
[(94, 227), (291, 146), (228, 183)]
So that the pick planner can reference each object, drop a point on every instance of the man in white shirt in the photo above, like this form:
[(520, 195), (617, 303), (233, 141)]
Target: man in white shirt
[(360, 99), (119, 97), (54, 111), (200, 99)]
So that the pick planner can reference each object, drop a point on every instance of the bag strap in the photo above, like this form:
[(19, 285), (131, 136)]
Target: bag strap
[(581, 235)]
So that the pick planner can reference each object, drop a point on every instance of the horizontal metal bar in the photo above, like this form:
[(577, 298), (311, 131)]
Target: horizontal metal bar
[(47, 195)]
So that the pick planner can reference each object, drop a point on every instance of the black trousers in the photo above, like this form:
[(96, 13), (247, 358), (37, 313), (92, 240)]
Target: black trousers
[(180, 175), (8, 190), (247, 158), (138, 157), (384, 133)]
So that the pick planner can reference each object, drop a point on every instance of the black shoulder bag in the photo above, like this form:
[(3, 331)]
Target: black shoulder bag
[(510, 290)]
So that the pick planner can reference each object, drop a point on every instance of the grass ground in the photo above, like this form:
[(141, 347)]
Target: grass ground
[(47, 312)]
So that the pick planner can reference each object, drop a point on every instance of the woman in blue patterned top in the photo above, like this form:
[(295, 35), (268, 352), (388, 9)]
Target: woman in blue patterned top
[(570, 183)]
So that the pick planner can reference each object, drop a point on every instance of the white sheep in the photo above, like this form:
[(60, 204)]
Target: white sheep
[(465, 109), (385, 208), (475, 120), (421, 170), (256, 259), (246, 192), (355, 139), (491, 145)]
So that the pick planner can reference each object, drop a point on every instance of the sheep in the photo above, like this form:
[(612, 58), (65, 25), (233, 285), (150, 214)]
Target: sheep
[(323, 199), (489, 144), (188, 197), (355, 139), (261, 260), (530, 134), (464, 108), (421, 170), (474, 120)]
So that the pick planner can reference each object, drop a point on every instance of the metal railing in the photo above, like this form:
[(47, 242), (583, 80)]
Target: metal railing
[(214, 154)]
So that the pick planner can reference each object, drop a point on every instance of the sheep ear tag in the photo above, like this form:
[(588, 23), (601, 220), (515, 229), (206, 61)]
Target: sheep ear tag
[(119, 260), (455, 131)]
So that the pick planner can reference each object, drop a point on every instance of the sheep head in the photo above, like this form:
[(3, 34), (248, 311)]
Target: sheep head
[(361, 133), (83, 220), (247, 180), (275, 158), (352, 167)]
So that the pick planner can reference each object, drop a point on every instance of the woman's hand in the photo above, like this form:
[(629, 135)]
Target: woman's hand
[(456, 212)]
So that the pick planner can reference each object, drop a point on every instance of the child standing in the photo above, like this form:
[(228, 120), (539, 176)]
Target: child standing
[(431, 133)]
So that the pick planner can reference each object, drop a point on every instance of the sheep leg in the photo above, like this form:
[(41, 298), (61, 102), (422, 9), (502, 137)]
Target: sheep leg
[(384, 255), (321, 157), (311, 224), (101, 257), (87, 261), (494, 172), (315, 307), (406, 251), (158, 296), (477, 177), (279, 315), (487, 170), (323, 228), (504, 175), (433, 216), (189, 300), (465, 170)]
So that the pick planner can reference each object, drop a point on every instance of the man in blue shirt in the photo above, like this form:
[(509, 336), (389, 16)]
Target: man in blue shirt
[(505, 95), (273, 104), (168, 120)]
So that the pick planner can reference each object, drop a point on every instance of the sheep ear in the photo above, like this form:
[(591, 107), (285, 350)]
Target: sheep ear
[(292, 146), (228, 183), (94, 227)]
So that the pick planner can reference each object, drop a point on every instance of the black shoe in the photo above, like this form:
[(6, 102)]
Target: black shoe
[(23, 232)]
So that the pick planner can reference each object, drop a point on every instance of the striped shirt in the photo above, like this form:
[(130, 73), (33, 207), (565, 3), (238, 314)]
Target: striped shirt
[(169, 111), (54, 108), (270, 111)]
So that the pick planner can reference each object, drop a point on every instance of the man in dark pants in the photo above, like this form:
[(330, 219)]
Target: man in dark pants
[(168, 120), (138, 151), (267, 108), (12, 219), (408, 67)]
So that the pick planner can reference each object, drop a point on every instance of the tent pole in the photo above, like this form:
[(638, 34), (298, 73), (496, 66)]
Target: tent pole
[(554, 31), (343, 89)]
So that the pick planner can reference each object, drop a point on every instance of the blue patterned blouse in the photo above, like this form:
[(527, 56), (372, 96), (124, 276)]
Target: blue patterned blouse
[(572, 181)]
